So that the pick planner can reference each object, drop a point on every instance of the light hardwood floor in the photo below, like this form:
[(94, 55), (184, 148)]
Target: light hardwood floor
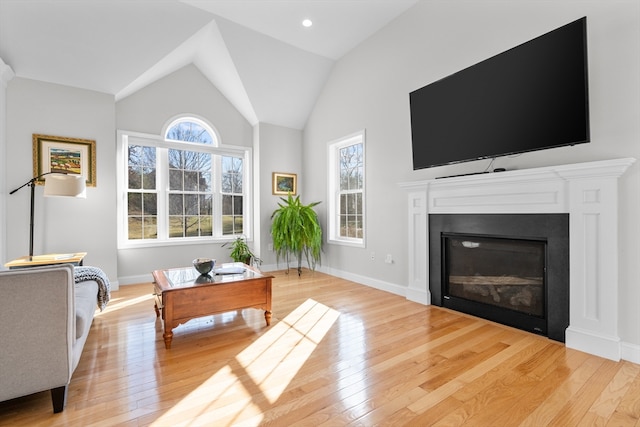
[(336, 353)]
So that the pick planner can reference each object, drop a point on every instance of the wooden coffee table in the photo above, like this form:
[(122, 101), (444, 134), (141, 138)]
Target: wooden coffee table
[(183, 294)]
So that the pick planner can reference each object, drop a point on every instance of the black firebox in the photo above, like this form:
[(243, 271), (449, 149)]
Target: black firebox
[(508, 268)]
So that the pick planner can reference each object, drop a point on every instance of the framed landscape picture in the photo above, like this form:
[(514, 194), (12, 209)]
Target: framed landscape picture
[(284, 183), (64, 155)]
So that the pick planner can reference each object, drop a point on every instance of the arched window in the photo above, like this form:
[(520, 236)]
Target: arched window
[(190, 129), (184, 186)]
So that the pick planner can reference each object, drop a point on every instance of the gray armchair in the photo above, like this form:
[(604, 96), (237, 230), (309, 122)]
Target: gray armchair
[(44, 323)]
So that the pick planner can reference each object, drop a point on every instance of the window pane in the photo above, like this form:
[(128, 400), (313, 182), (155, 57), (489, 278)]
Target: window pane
[(192, 228), (237, 205), (191, 181), (226, 183), (206, 226), (204, 180), (176, 159), (176, 226), (175, 180), (227, 164), (135, 177), (227, 224), (350, 162), (176, 204), (142, 167), (344, 179), (134, 203), (232, 174), (351, 204), (135, 155), (150, 227), (135, 227), (149, 168), (238, 225), (237, 183), (149, 204), (191, 204), (149, 178), (227, 205), (206, 205), (354, 178)]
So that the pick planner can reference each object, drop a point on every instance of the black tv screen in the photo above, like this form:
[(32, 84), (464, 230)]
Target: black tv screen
[(531, 97)]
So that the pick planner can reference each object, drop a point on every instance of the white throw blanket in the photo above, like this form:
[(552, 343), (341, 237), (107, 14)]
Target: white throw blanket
[(82, 274)]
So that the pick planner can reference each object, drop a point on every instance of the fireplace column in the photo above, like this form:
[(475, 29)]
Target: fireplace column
[(587, 191), (593, 242)]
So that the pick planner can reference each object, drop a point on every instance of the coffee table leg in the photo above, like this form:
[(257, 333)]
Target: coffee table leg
[(267, 317), (168, 337)]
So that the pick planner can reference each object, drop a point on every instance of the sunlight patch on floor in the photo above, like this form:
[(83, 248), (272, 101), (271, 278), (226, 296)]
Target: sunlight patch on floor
[(268, 365), (286, 347)]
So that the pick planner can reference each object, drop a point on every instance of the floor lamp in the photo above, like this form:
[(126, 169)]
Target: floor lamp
[(56, 184)]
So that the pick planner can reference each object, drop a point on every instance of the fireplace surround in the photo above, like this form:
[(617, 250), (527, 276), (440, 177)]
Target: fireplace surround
[(587, 192)]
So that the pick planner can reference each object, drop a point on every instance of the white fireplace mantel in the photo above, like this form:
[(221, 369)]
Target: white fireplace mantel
[(587, 191)]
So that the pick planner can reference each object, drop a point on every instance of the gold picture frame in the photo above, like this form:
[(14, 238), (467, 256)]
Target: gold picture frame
[(284, 183), (65, 155)]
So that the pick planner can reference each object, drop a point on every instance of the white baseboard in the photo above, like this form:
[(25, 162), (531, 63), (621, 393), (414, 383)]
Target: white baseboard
[(630, 352), (599, 345), (363, 280), (134, 280), (419, 296), (368, 281)]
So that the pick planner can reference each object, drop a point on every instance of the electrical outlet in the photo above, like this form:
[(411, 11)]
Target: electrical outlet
[(270, 247), (388, 259), (373, 256)]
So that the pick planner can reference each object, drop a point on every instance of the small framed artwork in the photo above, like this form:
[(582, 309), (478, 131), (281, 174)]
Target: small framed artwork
[(64, 155), (284, 183)]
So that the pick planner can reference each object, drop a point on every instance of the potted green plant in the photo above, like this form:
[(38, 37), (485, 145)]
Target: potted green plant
[(295, 230), (240, 251)]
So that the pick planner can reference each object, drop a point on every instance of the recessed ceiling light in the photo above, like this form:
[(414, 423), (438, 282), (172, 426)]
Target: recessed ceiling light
[(307, 23)]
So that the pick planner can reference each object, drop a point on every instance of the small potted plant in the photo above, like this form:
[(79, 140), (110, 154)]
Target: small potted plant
[(240, 251)]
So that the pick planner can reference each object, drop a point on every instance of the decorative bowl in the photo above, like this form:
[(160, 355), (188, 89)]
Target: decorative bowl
[(204, 265)]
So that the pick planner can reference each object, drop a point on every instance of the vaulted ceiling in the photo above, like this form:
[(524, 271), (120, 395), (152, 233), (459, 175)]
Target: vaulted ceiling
[(256, 52)]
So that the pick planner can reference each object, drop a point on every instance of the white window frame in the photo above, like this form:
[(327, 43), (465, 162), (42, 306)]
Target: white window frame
[(128, 137), (333, 217)]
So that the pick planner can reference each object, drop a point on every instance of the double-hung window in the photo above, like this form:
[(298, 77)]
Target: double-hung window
[(182, 187), (346, 190)]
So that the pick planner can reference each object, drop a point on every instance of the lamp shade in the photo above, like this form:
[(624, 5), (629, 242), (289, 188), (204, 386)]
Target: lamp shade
[(65, 185)]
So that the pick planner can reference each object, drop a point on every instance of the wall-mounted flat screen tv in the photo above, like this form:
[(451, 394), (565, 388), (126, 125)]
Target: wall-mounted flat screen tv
[(531, 97)]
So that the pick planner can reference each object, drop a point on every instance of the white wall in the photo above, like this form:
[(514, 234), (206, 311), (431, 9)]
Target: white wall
[(369, 89), (186, 91), (280, 150), (61, 224)]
